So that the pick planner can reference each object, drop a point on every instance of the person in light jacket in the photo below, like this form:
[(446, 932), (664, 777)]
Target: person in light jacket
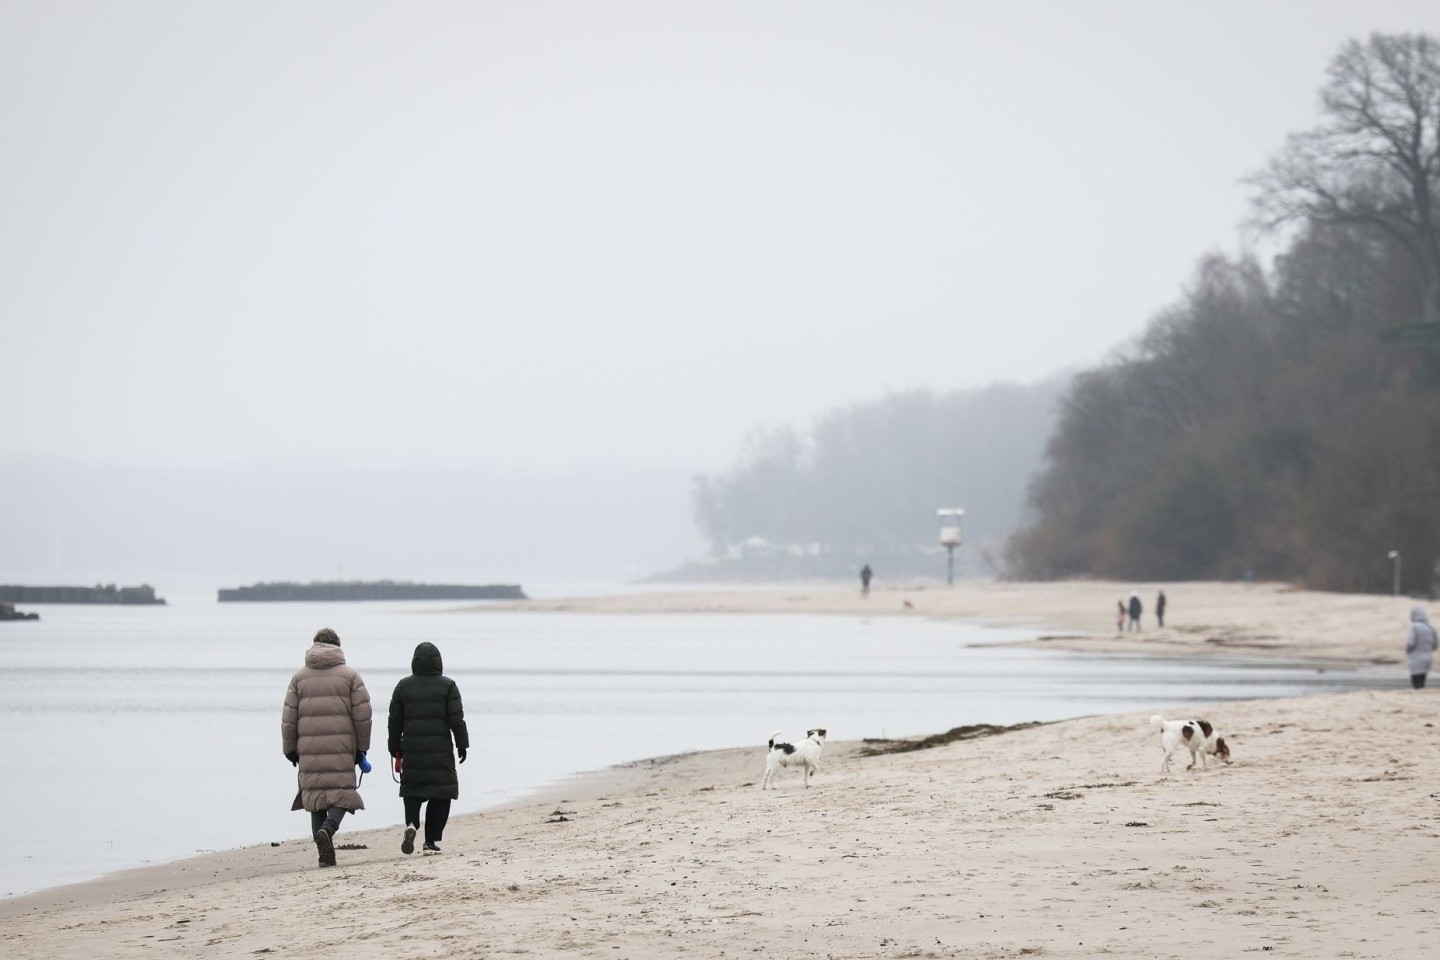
[(425, 715), (1420, 644), (324, 729)]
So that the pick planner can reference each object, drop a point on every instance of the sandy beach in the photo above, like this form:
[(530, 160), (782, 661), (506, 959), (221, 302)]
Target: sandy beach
[(1269, 620), (1061, 840)]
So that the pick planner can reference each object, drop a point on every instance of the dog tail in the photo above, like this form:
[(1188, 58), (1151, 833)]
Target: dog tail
[(773, 735), (1157, 721)]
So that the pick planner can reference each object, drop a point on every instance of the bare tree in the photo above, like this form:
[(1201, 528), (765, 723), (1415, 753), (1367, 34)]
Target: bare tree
[(1375, 161)]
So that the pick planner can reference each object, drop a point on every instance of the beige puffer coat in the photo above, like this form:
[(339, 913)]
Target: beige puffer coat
[(326, 719)]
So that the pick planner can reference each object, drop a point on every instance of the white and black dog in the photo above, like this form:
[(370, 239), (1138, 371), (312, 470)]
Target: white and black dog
[(1197, 736), (805, 754)]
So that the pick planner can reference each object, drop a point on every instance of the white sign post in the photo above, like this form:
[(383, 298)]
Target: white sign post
[(951, 536)]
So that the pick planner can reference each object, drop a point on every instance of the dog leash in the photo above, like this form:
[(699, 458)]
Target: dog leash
[(364, 765)]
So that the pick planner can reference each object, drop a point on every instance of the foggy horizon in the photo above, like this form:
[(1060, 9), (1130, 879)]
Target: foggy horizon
[(535, 243), (192, 530)]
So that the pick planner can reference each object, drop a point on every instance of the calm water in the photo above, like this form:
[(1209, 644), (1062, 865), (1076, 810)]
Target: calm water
[(143, 735)]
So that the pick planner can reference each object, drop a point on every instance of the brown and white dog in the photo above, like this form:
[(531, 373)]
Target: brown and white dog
[(1197, 736), (805, 754)]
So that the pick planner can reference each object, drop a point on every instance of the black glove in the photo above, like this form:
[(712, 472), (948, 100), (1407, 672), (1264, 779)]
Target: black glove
[(462, 754), (294, 757), (359, 755)]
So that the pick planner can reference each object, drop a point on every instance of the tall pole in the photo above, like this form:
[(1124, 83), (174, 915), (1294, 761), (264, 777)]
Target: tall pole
[(1395, 560), (950, 538)]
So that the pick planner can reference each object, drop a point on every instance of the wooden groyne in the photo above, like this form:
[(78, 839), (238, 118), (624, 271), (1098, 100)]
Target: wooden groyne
[(143, 595), (368, 590)]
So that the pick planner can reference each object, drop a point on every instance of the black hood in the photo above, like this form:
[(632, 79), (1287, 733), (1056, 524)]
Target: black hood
[(426, 661)]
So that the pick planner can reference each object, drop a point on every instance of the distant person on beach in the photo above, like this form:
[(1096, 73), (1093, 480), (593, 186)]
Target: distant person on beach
[(1160, 609), (324, 729), (1420, 644), (865, 574), (1120, 614), (425, 713), (1135, 611)]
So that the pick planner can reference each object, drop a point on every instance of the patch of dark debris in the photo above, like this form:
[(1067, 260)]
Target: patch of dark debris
[(874, 747)]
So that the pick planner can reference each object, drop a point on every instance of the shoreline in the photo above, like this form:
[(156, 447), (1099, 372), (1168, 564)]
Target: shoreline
[(1072, 820), (1256, 620), (260, 860), (1062, 840)]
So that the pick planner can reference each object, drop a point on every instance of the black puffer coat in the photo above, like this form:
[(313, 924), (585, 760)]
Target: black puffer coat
[(425, 712)]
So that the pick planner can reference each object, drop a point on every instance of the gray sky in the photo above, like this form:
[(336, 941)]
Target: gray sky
[(545, 236)]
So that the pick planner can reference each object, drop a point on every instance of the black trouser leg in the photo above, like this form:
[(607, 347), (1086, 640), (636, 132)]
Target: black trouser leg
[(437, 814), (1417, 680), (334, 815), (412, 811)]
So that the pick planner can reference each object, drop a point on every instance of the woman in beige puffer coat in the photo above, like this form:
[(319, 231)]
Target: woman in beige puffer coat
[(324, 727)]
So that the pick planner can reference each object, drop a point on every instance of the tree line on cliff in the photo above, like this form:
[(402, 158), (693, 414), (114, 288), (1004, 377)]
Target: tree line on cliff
[(1281, 424)]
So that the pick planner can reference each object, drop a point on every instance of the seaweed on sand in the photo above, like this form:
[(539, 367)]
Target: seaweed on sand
[(875, 747)]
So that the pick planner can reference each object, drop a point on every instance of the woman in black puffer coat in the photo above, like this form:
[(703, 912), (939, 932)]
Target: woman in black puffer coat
[(425, 713)]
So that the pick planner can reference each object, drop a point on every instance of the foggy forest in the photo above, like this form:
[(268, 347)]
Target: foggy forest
[(1278, 421)]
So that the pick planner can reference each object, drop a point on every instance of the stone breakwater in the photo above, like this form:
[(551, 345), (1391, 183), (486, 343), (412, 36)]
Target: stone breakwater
[(8, 612), (369, 590), (143, 594)]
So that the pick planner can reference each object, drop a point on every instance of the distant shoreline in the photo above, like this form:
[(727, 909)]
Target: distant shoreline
[(1204, 618)]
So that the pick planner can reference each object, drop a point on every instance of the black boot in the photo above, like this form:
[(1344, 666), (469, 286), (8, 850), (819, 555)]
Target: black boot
[(324, 844)]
